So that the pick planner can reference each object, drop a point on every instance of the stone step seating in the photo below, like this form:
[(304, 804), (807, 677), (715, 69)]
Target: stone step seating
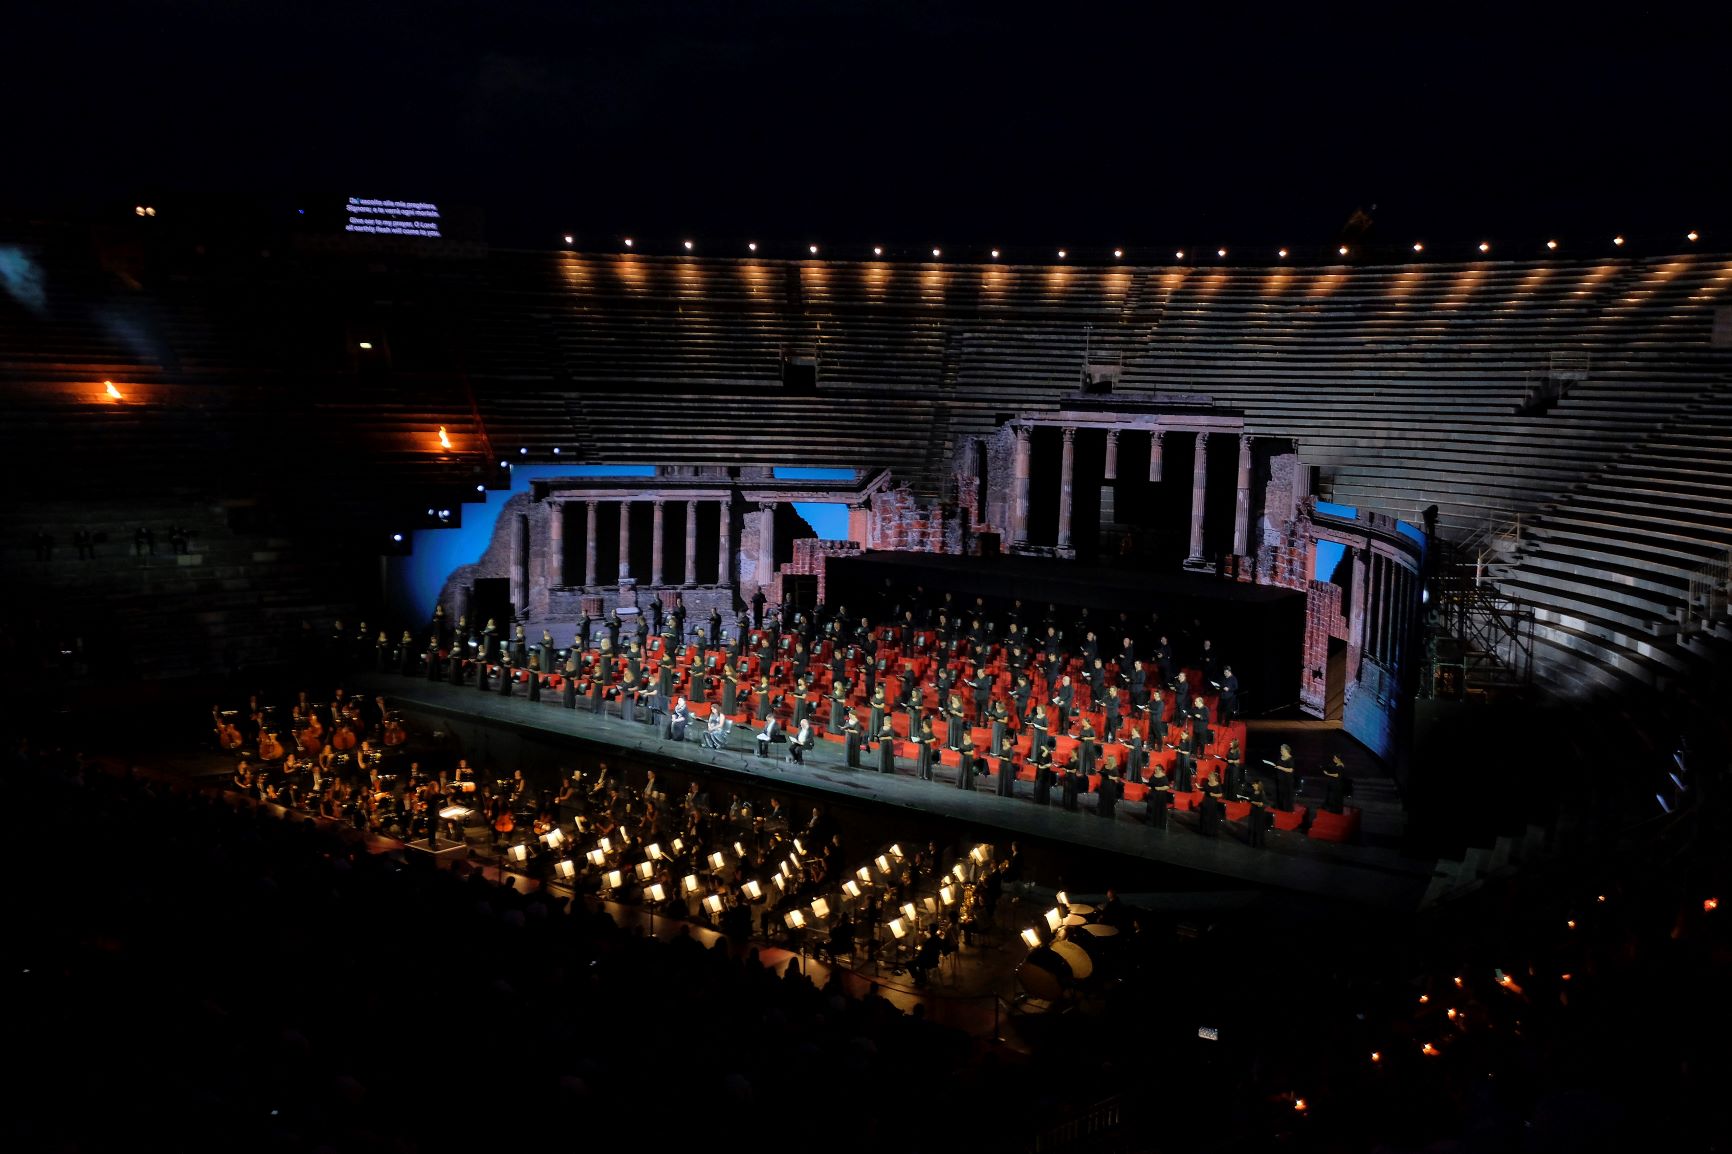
[(861, 431), (231, 599), (1608, 565)]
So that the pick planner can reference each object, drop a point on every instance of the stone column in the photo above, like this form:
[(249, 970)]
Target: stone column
[(1358, 619), (656, 548), (1110, 481), (1242, 506), (519, 563), (691, 542), (766, 545), (1155, 455), (624, 541), (555, 544), (1019, 488), (1199, 492), (1065, 477), (589, 544), (725, 547)]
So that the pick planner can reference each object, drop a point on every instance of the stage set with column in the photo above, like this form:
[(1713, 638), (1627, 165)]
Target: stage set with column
[(1177, 488)]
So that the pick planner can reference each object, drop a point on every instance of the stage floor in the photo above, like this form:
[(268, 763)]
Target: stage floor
[(1358, 874)]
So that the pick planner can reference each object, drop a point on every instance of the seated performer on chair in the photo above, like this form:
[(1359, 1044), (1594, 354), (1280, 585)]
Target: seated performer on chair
[(801, 741)]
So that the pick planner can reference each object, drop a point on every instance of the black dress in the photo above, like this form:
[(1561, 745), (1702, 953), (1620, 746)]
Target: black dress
[(1107, 797), (1006, 777), (1160, 801), (1335, 792), (1043, 776), (1284, 790), (887, 752)]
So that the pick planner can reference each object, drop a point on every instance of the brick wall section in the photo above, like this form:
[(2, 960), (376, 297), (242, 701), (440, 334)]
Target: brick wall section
[(1322, 620), (811, 555), (901, 523)]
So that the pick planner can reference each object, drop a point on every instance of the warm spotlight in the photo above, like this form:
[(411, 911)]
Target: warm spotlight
[(995, 254), (1484, 246), (1118, 254), (877, 250), (1061, 254), (937, 253), (1180, 255), (751, 246), (1418, 246), (1552, 244), (1342, 250), (113, 393), (1692, 236), (366, 344), (628, 242), (1618, 240), (688, 246), (444, 438), (813, 249), (569, 238), (1221, 252), (1282, 253)]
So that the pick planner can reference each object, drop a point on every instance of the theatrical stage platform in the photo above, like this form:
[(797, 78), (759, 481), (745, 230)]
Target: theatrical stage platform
[(1362, 875), (1258, 629)]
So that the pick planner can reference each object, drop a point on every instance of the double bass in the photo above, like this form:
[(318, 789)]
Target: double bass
[(270, 749), (312, 737), (394, 733), (344, 737), (227, 732)]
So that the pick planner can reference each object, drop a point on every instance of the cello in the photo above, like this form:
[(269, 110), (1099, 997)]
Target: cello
[(270, 749), (394, 733)]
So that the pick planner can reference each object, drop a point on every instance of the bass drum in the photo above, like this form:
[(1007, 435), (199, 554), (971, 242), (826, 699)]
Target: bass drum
[(1045, 975), (1081, 963)]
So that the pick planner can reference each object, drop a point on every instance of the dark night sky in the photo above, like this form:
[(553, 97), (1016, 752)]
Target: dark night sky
[(921, 123)]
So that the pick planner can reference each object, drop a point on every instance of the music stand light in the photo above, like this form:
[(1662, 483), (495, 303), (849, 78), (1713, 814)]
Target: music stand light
[(753, 891), (931, 904), (604, 845), (883, 864), (781, 882), (1032, 937), (795, 919), (553, 837), (851, 888), (864, 873), (689, 884), (820, 908), (960, 873), (1063, 899), (612, 879), (679, 845), (654, 850), (518, 853), (898, 928), (646, 870), (785, 870), (798, 848), (597, 857), (909, 912), (740, 851), (713, 903), (1054, 920), (657, 893), (717, 861), (453, 812), (978, 853), (896, 852), (947, 895)]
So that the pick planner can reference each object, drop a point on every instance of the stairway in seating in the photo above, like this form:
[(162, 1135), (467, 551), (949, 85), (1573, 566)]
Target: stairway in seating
[(1607, 566)]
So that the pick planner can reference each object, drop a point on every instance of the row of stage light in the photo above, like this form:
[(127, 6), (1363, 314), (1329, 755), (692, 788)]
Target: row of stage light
[(1618, 242)]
